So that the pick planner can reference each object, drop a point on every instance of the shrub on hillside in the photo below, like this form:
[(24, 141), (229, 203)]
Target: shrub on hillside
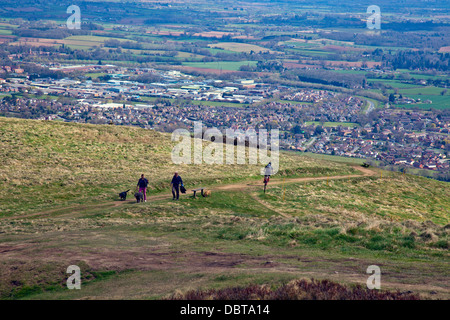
[(296, 290)]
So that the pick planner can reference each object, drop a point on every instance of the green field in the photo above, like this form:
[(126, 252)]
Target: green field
[(393, 83), (438, 103), (60, 207), (95, 75), (332, 158), (424, 91), (427, 93), (217, 50)]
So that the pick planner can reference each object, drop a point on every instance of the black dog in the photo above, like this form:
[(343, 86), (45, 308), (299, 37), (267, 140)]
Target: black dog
[(123, 195), (139, 197)]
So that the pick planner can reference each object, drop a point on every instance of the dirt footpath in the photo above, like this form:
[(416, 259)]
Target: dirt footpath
[(234, 186)]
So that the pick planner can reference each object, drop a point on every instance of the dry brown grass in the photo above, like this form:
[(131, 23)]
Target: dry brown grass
[(295, 290)]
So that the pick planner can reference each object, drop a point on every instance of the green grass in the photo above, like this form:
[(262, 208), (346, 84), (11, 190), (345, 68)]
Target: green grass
[(5, 31), (394, 83), (95, 75), (438, 101), (326, 230), (353, 72), (73, 162), (430, 90), (309, 52), (332, 158), (231, 226), (395, 197)]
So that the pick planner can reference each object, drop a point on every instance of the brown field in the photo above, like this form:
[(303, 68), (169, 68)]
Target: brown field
[(244, 37), (444, 49), (36, 43), (298, 40), (182, 54), (4, 38)]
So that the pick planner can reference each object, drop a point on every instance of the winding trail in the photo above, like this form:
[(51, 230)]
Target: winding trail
[(365, 173), (227, 187)]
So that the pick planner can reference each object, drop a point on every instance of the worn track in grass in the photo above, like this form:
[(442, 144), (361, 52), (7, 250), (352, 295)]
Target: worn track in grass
[(227, 187)]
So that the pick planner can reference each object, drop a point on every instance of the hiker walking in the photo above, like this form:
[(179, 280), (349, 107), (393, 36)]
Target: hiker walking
[(268, 170), (176, 182), (142, 185)]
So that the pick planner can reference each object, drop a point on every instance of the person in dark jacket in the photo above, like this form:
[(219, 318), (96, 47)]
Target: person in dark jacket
[(176, 182), (142, 185)]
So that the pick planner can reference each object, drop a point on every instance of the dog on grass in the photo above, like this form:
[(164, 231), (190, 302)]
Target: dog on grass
[(207, 193), (123, 195), (139, 197)]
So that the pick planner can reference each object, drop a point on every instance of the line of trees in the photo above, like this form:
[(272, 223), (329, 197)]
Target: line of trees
[(326, 77), (422, 60)]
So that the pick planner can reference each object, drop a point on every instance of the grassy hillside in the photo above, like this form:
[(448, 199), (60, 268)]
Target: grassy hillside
[(59, 207), (46, 164)]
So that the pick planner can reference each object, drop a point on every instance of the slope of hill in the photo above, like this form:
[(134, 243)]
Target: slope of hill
[(59, 207), (57, 163)]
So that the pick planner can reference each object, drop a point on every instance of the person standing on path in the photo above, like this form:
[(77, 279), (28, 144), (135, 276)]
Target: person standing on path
[(268, 170), (176, 182), (142, 185)]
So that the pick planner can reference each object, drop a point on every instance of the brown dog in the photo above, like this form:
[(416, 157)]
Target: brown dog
[(207, 193)]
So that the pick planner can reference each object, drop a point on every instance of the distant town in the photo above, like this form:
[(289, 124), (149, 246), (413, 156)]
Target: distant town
[(309, 120)]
